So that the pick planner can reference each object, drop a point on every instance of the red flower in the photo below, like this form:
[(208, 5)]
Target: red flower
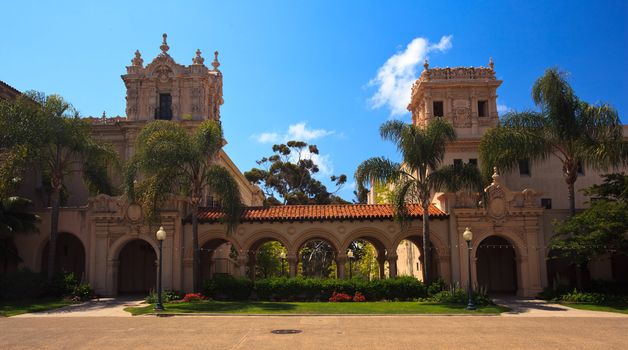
[(359, 297), (340, 297), (193, 297)]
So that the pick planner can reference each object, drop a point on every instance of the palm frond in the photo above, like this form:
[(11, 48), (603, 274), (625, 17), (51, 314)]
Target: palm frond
[(401, 196), (454, 178), (379, 170), (225, 187)]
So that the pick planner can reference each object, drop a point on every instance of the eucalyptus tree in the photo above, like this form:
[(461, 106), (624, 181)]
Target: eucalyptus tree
[(420, 174), (46, 133), (171, 160), (575, 132)]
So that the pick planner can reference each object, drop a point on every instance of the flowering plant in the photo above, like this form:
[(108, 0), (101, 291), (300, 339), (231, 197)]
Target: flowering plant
[(340, 297), (193, 297), (359, 297)]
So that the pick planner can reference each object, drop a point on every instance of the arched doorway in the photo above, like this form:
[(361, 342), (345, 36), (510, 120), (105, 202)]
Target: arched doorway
[(218, 257), (496, 266), (317, 258), (137, 268), (69, 255), (267, 258), (410, 258)]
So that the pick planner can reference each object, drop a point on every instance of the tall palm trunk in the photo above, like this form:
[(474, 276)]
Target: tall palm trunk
[(55, 197), (426, 245), (196, 256)]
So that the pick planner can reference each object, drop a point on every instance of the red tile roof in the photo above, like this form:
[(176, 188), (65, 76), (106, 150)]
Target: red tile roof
[(328, 212)]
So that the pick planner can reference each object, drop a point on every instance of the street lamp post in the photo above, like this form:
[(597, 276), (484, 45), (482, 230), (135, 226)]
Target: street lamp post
[(282, 255), (350, 256), (468, 236), (161, 236)]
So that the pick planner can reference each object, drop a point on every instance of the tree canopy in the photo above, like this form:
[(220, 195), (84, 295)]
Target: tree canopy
[(170, 160), (288, 176), (566, 128), (420, 173), (598, 230), (46, 133)]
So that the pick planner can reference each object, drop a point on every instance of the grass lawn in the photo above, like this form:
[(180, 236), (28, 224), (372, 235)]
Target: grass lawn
[(234, 307), (16, 307), (621, 308)]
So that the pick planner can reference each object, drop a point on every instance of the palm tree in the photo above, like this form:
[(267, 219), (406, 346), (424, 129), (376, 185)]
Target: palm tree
[(420, 174), (174, 161), (15, 217), (46, 131), (575, 132)]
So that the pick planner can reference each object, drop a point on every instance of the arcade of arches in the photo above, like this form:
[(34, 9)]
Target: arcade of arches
[(116, 253)]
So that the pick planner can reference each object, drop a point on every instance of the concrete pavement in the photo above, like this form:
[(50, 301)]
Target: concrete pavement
[(317, 332)]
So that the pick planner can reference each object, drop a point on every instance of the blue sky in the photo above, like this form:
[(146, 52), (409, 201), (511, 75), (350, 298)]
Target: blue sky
[(309, 69)]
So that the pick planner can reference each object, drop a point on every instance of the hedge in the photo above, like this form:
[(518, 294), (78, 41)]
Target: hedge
[(312, 289)]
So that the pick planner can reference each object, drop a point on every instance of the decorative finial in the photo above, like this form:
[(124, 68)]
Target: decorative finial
[(103, 119), (495, 175), (198, 59), (137, 61), (490, 63), (164, 45), (426, 64), (215, 62)]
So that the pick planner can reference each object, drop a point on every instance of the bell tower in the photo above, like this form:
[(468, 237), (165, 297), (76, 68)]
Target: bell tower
[(464, 96), (167, 90)]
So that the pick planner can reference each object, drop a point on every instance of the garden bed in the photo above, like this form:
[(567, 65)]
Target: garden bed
[(313, 308)]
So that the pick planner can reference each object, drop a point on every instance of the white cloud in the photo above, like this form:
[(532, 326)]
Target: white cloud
[(267, 137), (298, 132), (395, 78), (503, 109)]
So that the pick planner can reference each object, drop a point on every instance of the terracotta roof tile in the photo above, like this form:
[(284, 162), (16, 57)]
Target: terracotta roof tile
[(319, 212)]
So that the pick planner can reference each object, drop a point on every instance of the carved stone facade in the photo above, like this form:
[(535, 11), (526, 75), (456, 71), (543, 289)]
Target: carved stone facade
[(191, 92), (465, 96)]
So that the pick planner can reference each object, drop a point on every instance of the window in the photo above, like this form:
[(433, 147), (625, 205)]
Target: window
[(457, 162), (438, 109), (524, 167), (546, 203), (473, 161), (164, 111), (482, 108), (580, 168), (417, 266)]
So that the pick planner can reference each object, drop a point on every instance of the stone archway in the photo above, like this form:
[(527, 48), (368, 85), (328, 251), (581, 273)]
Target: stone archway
[(378, 241), (218, 257), (137, 268), (496, 265), (316, 254), (69, 255), (263, 251)]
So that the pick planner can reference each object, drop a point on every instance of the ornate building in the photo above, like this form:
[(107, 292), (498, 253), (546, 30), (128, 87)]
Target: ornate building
[(104, 239)]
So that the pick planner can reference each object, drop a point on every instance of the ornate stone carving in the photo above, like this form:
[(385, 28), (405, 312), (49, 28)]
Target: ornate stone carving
[(198, 59), (137, 61), (104, 203)]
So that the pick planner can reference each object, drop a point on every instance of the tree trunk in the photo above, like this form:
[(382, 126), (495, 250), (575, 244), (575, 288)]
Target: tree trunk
[(426, 245), (572, 198), (55, 197), (196, 257)]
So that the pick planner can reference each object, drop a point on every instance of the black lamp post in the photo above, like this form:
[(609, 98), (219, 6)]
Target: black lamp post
[(468, 236), (161, 236), (350, 256), (282, 255)]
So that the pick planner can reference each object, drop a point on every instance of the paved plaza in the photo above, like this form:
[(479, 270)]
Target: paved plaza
[(317, 332)]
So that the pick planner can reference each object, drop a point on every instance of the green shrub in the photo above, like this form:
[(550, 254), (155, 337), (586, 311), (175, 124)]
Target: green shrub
[(228, 288), (63, 284), (166, 296), (436, 287), (22, 284), (457, 295), (83, 291), (314, 289), (585, 297)]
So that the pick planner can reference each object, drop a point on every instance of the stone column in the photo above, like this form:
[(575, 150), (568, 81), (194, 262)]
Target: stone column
[(242, 262), (293, 263), (340, 266), (251, 264), (381, 260), (392, 265)]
